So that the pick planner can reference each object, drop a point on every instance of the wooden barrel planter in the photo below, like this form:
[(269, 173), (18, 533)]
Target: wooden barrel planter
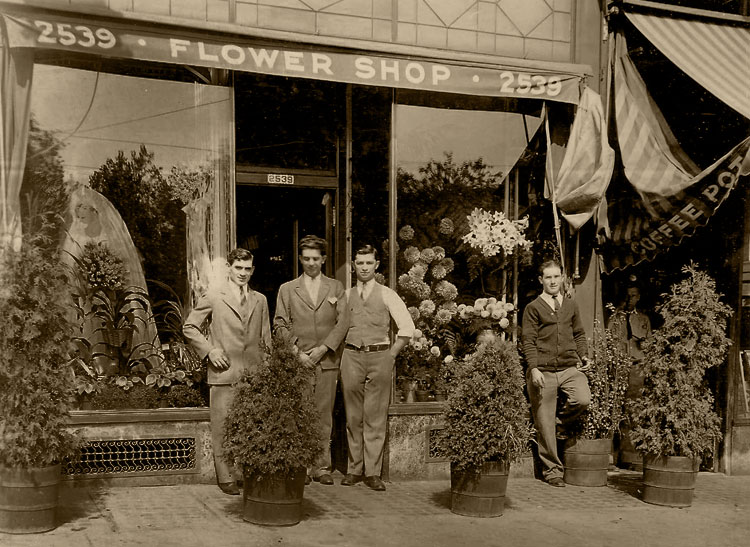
[(479, 493), (669, 480), (273, 500), (28, 499), (587, 462)]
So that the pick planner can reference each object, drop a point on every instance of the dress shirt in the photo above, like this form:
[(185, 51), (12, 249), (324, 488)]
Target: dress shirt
[(394, 305), (312, 284), (549, 299)]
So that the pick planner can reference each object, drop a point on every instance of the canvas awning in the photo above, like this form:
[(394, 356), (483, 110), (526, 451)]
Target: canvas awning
[(715, 54), (126, 39)]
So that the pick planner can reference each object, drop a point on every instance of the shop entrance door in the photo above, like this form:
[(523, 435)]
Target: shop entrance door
[(270, 222)]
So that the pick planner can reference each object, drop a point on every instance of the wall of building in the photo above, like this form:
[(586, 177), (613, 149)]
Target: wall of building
[(529, 29)]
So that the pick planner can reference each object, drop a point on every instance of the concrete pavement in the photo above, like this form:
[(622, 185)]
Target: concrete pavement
[(407, 514)]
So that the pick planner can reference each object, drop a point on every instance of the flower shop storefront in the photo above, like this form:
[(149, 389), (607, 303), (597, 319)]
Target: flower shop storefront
[(157, 148)]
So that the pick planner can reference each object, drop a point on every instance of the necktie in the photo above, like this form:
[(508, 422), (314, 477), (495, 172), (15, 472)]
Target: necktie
[(362, 292), (243, 297), (557, 303)]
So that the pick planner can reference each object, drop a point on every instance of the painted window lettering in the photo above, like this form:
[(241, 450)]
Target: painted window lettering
[(66, 34), (526, 84)]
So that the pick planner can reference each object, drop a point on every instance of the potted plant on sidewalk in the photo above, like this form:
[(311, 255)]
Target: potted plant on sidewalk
[(271, 433), (587, 453), (486, 427), (36, 386), (674, 422)]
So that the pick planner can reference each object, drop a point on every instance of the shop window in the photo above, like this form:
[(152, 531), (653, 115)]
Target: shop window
[(134, 171), (453, 166)]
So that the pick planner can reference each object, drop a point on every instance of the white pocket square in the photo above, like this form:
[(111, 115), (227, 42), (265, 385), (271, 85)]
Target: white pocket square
[(332, 300)]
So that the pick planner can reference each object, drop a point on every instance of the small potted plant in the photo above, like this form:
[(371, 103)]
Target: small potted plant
[(36, 386), (487, 427), (674, 422), (587, 453), (271, 433)]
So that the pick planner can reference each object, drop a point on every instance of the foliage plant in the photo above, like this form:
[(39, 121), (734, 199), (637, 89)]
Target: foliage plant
[(608, 382), (181, 396), (272, 424), (36, 385), (675, 414), (487, 416)]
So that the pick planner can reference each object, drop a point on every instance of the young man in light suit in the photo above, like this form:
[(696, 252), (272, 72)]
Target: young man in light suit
[(312, 310), (239, 320)]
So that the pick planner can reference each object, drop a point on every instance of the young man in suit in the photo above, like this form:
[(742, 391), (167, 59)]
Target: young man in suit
[(312, 311), (554, 344), (367, 367), (239, 320)]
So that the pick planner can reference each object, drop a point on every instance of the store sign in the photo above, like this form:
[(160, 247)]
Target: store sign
[(274, 178), (122, 39)]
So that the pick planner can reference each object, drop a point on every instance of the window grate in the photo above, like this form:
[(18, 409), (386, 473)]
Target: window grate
[(133, 456)]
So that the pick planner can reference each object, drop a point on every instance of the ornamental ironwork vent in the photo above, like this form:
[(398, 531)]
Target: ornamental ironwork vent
[(134, 456), (433, 450)]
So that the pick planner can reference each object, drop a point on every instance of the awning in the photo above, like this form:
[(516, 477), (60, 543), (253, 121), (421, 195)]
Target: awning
[(716, 55), (176, 45)]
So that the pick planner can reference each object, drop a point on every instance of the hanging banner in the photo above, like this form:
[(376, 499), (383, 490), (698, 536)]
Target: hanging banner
[(177, 46), (638, 234)]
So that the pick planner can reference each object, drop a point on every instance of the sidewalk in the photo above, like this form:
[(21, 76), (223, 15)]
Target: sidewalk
[(407, 514)]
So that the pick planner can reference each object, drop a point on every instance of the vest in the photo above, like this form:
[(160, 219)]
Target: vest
[(369, 320)]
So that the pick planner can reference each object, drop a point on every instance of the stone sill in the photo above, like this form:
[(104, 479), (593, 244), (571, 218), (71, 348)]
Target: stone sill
[(416, 409), (96, 417)]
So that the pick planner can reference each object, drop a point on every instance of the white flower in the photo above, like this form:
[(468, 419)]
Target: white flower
[(448, 359), (435, 351)]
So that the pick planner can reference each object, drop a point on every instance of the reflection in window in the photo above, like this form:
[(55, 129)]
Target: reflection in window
[(452, 167), (118, 158)]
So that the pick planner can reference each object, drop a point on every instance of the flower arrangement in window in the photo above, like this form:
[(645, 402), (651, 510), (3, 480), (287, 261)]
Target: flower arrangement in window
[(493, 238), (486, 314)]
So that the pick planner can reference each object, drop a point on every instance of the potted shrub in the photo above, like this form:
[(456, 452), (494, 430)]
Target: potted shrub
[(271, 433), (674, 422), (487, 427), (36, 386), (587, 453)]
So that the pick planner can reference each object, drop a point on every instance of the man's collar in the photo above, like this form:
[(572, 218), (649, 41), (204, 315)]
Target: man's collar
[(309, 279)]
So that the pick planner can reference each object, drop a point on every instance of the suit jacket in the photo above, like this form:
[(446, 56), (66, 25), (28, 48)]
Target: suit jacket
[(311, 324), (236, 330)]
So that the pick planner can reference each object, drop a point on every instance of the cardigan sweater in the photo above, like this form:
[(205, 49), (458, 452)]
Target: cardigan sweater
[(553, 340)]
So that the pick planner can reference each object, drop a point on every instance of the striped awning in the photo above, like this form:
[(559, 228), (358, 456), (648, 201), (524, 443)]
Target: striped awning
[(714, 54)]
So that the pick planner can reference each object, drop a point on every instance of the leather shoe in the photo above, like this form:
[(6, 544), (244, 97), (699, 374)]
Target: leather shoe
[(307, 480), (325, 478), (374, 483), (351, 480), (229, 488), (556, 481)]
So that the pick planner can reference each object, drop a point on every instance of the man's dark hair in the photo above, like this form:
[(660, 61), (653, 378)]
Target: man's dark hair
[(548, 264), (313, 242), (239, 254), (366, 250)]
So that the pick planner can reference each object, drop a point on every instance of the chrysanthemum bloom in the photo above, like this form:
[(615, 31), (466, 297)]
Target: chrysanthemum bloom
[(417, 334), (491, 301), (439, 252), (438, 272), (443, 316), (411, 253), (414, 312), (435, 351), (450, 306), (423, 290), (448, 264), (496, 315), (418, 271), (406, 233), (428, 255), (448, 359), (427, 307), (504, 323), (509, 306), (446, 226), (480, 303), (484, 314), (380, 278), (446, 290)]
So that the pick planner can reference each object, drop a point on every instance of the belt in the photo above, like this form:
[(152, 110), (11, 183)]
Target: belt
[(368, 349)]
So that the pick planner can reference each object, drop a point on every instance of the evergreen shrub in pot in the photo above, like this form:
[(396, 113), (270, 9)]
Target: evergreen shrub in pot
[(271, 433), (674, 421), (37, 388), (487, 426)]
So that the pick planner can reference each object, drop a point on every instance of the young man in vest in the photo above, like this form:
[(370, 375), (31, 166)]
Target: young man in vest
[(367, 367), (312, 310), (239, 321), (554, 344)]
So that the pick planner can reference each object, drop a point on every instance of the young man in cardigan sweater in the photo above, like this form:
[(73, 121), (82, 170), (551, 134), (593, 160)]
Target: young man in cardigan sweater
[(554, 344)]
